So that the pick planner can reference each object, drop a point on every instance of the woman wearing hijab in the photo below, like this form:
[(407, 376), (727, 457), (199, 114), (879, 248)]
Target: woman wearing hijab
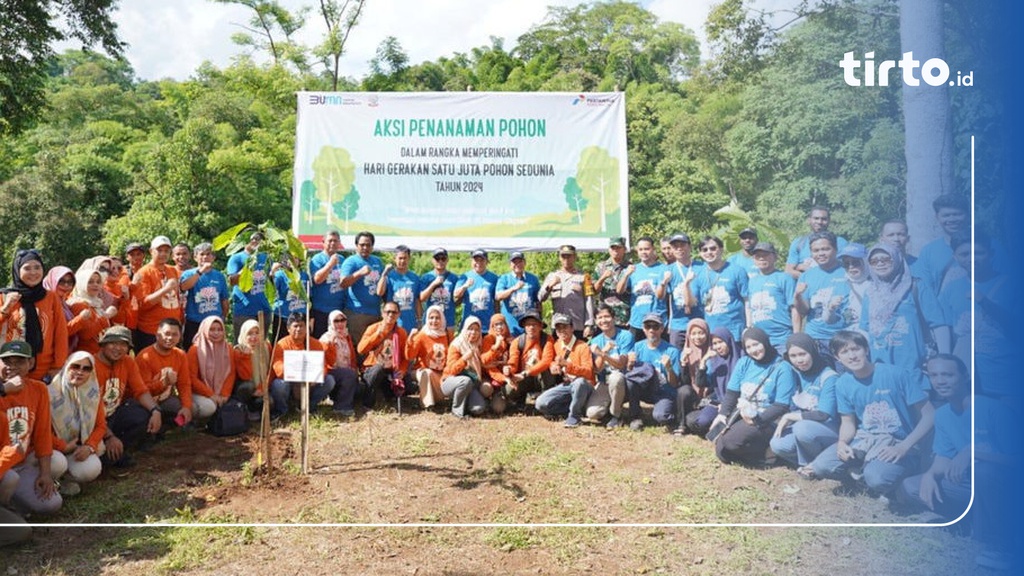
[(495, 349), (463, 370), (813, 424), (427, 351), (252, 365), (212, 362), (61, 281), (78, 420), (31, 313), (91, 317), (694, 373), (761, 388), (346, 377), (899, 318), (718, 364)]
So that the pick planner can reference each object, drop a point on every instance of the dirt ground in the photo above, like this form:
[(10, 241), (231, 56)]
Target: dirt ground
[(425, 472)]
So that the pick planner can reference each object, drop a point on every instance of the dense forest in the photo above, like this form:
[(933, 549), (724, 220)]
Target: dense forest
[(764, 123)]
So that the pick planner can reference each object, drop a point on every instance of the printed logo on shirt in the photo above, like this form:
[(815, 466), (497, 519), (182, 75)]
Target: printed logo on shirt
[(334, 281), (880, 417), (437, 352), (18, 425), (404, 298), (480, 299), (762, 304), (259, 281), (208, 300), (112, 395), (371, 279)]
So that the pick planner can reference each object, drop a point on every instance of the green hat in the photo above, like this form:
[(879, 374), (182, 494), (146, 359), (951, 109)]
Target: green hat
[(116, 334), (16, 348)]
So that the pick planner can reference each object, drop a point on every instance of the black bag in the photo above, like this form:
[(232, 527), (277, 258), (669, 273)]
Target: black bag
[(231, 419)]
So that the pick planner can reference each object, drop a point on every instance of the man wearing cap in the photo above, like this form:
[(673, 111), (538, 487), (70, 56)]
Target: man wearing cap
[(606, 277), (745, 257), (770, 305), (664, 358), (517, 291), (679, 312), (360, 273), (16, 530), (247, 304), (573, 371), (800, 259), (475, 289), (437, 287), (156, 287), (642, 281), (530, 357), (130, 409), (400, 285), (326, 294), (571, 291), (29, 485)]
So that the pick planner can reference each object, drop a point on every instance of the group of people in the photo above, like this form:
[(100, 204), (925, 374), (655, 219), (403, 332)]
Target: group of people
[(844, 361)]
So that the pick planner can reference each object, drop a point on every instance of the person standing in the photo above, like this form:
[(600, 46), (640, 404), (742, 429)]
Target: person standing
[(400, 285), (31, 313), (326, 294), (360, 274), (518, 291), (247, 304), (642, 282), (606, 279), (822, 294), (800, 258), (156, 289), (680, 312), (206, 290), (475, 290), (719, 288), (571, 293), (437, 287), (745, 257), (771, 306)]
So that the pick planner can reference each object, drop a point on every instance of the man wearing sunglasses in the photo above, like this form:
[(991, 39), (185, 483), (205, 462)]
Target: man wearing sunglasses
[(437, 287)]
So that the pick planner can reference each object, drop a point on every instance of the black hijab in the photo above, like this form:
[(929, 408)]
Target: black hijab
[(770, 353), (805, 342), (30, 295)]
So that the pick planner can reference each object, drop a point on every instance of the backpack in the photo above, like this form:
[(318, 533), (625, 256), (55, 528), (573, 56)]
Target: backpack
[(231, 419)]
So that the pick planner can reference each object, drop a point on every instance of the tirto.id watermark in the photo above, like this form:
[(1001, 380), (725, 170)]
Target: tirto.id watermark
[(934, 71)]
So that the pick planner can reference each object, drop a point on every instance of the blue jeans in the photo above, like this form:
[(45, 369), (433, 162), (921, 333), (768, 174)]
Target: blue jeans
[(346, 382), (955, 497), (570, 398), (879, 476), (281, 392), (803, 441)]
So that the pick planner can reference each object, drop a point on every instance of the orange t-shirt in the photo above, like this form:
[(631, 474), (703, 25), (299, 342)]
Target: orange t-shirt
[(288, 343), (534, 359), (580, 361), (9, 455), (424, 351), (374, 344), (88, 329), (115, 380), (54, 328), (28, 417), (495, 360), (151, 364), (150, 279)]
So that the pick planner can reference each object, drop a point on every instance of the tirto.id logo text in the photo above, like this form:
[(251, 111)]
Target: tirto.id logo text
[(934, 71)]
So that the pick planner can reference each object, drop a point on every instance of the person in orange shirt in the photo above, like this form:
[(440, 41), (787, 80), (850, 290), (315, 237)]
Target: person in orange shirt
[(130, 409), (136, 254), (118, 290), (427, 351), (13, 529), (252, 362), (90, 316), (386, 365), (346, 365), (282, 390), (530, 356), (41, 323), (156, 291), (463, 371), (494, 353), (79, 424), (573, 367), (212, 361), (164, 369), (26, 403)]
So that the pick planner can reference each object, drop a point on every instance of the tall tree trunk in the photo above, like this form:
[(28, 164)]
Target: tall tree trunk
[(927, 121)]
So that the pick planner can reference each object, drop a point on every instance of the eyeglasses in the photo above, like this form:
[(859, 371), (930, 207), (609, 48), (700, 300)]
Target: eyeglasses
[(104, 269), (651, 326), (340, 320), (878, 260), (708, 248), (66, 281), (850, 262), (80, 367)]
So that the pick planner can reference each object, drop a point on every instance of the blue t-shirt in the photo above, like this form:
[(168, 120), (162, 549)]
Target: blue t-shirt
[(677, 316), (818, 393), (443, 296), (994, 341), (522, 300), (478, 299), (644, 353), (205, 296), (800, 249), (823, 287), (721, 295), (902, 341), (881, 402), (778, 388), (329, 296), (771, 298), (622, 344), (362, 296), (746, 262), (255, 300), (286, 302), (642, 286), (952, 431), (402, 289)]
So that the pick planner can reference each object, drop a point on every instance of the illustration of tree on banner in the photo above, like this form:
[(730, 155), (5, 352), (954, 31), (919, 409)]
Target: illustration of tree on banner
[(597, 175), (574, 197), (308, 200), (348, 206), (333, 175)]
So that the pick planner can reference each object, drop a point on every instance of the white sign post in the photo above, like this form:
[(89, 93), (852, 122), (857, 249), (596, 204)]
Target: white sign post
[(304, 366)]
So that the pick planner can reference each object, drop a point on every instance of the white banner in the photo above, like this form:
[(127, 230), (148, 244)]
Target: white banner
[(495, 170)]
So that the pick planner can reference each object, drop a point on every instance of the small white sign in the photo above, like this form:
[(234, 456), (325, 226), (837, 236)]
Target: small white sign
[(304, 366)]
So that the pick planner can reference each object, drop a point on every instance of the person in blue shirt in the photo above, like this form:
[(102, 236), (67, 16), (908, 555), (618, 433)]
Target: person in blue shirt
[(476, 289), (517, 291), (801, 255), (664, 358), (745, 257), (642, 282), (680, 312), (813, 423), (935, 260), (400, 285), (719, 288), (326, 294), (286, 301), (610, 348), (360, 273), (822, 294), (760, 389), (206, 289), (246, 305), (883, 413), (770, 306), (437, 287)]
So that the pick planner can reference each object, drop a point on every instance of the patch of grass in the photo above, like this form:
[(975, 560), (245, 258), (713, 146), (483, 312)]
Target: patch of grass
[(416, 444), (570, 545), (740, 505), (509, 456), (190, 547), (324, 514), (111, 500), (687, 457), (509, 538)]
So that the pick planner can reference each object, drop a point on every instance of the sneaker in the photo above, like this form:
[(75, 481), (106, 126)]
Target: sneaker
[(636, 424), (678, 431), (69, 488), (613, 423), (571, 422), (345, 412)]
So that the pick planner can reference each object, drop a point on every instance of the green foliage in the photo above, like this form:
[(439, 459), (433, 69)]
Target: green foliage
[(280, 246)]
